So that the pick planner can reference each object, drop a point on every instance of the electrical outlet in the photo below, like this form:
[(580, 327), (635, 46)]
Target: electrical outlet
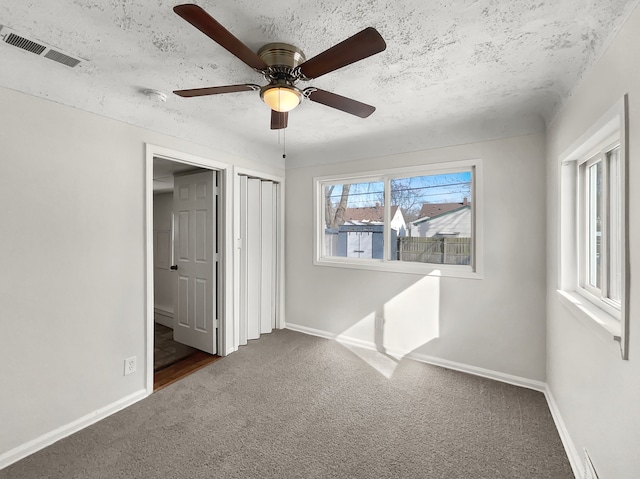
[(129, 365)]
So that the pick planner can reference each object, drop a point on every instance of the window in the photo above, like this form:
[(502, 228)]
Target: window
[(354, 219), (593, 280), (418, 220), (600, 228)]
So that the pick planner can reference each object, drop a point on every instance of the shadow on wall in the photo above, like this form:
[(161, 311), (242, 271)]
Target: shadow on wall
[(401, 325)]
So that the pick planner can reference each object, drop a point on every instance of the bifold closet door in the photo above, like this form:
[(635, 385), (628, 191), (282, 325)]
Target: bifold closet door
[(244, 274), (275, 256), (266, 258), (258, 257), (253, 245)]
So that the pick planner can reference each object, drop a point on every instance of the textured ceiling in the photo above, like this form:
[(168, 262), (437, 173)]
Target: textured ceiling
[(453, 71)]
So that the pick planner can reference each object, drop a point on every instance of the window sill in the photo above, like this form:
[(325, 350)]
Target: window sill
[(425, 269), (599, 320)]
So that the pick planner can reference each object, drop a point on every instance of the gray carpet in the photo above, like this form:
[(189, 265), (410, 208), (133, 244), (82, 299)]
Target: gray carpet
[(296, 406)]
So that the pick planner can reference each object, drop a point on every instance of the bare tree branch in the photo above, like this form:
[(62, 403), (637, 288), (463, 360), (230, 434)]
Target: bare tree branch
[(328, 206), (338, 219)]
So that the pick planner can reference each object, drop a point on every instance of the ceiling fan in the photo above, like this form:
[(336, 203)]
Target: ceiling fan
[(283, 65)]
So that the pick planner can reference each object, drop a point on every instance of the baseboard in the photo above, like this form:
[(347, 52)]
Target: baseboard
[(163, 310), (423, 358), (482, 372), (49, 438), (163, 316), (569, 446), (311, 331)]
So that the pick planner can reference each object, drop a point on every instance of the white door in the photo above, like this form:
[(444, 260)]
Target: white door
[(244, 262), (194, 311), (254, 258), (275, 304), (267, 247), (259, 272), (359, 244)]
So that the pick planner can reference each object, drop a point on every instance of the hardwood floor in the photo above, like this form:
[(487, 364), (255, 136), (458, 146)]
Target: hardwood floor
[(166, 351), (179, 370)]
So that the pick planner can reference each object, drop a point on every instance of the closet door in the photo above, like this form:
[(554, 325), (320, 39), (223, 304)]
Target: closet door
[(266, 257), (254, 258), (258, 268), (275, 256), (244, 263)]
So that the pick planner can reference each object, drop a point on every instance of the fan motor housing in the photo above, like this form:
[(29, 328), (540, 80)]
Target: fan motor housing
[(281, 55)]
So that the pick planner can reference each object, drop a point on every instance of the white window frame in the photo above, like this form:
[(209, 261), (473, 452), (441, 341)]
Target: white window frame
[(592, 305), (472, 271), (598, 296)]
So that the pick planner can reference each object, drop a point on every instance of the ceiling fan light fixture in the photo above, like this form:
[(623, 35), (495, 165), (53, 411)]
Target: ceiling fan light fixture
[(281, 98), (283, 65)]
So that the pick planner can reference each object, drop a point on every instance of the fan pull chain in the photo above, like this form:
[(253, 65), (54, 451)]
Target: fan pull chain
[(283, 142), (284, 134)]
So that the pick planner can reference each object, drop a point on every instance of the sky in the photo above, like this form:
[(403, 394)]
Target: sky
[(410, 192)]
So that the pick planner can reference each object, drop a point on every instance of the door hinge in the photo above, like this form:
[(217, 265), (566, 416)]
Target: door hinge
[(216, 323)]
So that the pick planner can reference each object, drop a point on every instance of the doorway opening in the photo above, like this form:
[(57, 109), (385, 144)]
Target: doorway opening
[(184, 225)]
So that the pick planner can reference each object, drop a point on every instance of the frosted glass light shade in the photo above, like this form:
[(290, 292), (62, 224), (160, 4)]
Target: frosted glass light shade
[(281, 98)]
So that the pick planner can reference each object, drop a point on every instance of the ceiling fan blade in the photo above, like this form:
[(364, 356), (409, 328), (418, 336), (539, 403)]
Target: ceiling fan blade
[(216, 90), (279, 119), (339, 102), (362, 45), (204, 22)]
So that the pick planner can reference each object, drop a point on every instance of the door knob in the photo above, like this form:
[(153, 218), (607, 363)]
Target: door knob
[(174, 267)]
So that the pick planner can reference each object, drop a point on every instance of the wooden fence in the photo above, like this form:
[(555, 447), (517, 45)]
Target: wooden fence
[(435, 250)]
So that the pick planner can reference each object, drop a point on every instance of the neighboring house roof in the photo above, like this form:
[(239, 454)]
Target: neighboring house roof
[(430, 210), (362, 223), (368, 213), (453, 210)]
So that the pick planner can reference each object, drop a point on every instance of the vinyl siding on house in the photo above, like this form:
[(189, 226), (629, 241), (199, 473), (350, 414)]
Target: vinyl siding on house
[(453, 223)]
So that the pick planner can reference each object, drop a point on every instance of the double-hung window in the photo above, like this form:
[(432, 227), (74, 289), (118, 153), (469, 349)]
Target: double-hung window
[(423, 220)]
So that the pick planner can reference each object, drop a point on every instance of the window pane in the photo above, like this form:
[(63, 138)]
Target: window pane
[(615, 228), (595, 223), (436, 210), (354, 220)]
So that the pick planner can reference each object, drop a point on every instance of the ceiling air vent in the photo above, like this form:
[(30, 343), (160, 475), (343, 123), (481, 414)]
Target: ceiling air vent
[(39, 48), (61, 58), (28, 45)]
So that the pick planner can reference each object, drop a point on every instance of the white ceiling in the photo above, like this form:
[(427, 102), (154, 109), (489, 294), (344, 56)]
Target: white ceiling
[(454, 71), (163, 173)]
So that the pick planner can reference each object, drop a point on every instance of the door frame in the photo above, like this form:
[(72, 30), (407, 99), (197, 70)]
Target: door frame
[(225, 249)]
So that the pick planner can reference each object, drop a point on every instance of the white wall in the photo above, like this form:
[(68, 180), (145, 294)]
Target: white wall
[(164, 278), (72, 283), (497, 323), (597, 393)]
